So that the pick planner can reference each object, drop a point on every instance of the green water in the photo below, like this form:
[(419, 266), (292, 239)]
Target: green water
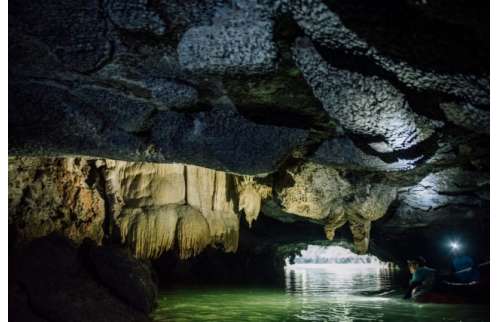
[(311, 294)]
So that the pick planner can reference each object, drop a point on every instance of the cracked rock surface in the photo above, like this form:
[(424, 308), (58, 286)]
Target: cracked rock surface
[(315, 119)]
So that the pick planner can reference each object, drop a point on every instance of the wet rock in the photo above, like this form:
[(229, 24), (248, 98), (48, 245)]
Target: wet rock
[(59, 287), (126, 277)]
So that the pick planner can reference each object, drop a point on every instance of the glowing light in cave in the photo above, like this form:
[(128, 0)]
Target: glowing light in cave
[(336, 271), (335, 257), (454, 245)]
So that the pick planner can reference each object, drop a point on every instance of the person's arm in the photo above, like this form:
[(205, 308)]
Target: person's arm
[(410, 289)]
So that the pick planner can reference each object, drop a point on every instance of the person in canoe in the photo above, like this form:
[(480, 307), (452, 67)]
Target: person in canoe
[(422, 279)]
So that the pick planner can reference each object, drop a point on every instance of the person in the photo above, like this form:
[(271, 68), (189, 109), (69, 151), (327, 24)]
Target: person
[(422, 278), (465, 270)]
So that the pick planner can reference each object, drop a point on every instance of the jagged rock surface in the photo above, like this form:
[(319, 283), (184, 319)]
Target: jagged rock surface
[(371, 125), (54, 276), (364, 105), (47, 195)]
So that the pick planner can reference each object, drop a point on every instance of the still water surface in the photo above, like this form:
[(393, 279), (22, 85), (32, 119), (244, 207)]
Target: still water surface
[(312, 293)]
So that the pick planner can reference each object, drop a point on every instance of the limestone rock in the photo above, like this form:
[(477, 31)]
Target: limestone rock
[(127, 113), (60, 288), (342, 152), (361, 104), (76, 31), (239, 40), (228, 50), (51, 113), (467, 116), (224, 140), (55, 195), (314, 189), (127, 277), (149, 202), (135, 15), (442, 196), (250, 202), (327, 28)]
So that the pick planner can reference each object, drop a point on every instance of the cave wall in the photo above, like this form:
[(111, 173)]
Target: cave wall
[(153, 208), (160, 124)]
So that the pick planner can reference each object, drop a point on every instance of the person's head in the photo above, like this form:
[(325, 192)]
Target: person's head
[(413, 264)]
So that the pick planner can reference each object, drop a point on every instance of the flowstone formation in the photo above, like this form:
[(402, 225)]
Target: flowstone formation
[(152, 207), (160, 124)]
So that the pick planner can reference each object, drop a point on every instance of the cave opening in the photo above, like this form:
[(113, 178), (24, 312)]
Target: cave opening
[(249, 160), (337, 270)]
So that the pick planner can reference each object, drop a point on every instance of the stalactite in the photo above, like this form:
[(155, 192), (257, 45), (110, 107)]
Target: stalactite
[(360, 234), (338, 220), (249, 201), (193, 232), (150, 231)]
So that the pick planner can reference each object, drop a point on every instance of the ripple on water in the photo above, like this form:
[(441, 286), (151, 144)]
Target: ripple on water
[(311, 294)]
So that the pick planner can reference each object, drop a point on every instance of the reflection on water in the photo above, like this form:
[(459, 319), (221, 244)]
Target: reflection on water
[(337, 279), (312, 293)]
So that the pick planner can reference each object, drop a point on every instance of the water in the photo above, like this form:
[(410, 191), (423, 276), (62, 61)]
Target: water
[(312, 293)]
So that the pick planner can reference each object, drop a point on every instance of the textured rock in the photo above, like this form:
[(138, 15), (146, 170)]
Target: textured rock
[(342, 152), (135, 15), (75, 30), (452, 194), (222, 139), (101, 122), (173, 95), (60, 288), (127, 113), (40, 115), (387, 96), (467, 116), (127, 277), (361, 104), (55, 195), (149, 202), (313, 191), (222, 49), (326, 27), (321, 194)]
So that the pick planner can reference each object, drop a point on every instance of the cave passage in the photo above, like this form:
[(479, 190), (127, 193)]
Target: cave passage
[(248, 160), (320, 283)]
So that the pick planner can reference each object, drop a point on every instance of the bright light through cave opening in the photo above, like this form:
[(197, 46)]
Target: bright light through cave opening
[(336, 270), (336, 257)]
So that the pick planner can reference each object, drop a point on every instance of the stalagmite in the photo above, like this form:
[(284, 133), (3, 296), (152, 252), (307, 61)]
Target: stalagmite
[(193, 232)]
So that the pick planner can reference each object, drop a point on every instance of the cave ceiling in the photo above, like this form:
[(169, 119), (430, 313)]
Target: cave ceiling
[(329, 112)]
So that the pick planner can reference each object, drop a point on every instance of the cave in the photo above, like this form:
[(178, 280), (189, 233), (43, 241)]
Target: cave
[(248, 160)]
